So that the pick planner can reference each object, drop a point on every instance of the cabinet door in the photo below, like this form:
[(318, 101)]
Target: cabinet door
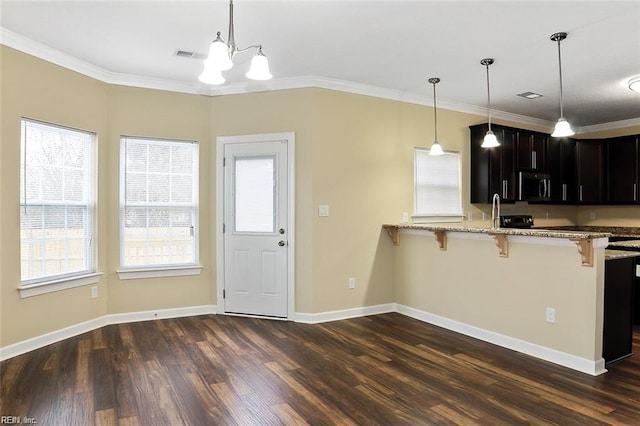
[(622, 160), (561, 165), (492, 169), (531, 151), (590, 156), (617, 333), (507, 146)]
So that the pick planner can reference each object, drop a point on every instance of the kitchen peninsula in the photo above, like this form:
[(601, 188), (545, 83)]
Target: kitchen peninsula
[(536, 291)]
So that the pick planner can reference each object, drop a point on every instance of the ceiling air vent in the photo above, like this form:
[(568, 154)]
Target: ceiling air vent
[(181, 53), (529, 95)]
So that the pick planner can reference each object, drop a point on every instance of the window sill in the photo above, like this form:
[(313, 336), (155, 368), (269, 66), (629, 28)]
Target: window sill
[(170, 271), (57, 285), (416, 218)]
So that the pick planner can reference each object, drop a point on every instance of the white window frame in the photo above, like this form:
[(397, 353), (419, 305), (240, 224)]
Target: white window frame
[(435, 215), (159, 270), (50, 283)]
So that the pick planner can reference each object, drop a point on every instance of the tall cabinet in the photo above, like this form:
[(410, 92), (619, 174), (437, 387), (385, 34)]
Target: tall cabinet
[(561, 163), (493, 170), (622, 170), (591, 171)]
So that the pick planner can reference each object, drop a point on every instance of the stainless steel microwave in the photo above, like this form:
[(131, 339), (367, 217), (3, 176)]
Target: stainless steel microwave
[(534, 186)]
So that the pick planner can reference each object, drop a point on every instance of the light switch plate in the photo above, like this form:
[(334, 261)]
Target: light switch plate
[(323, 210)]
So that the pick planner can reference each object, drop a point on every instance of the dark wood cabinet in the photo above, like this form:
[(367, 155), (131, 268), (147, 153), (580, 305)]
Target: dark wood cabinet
[(492, 169), (622, 170), (617, 336), (531, 151), (588, 171), (590, 163), (561, 165)]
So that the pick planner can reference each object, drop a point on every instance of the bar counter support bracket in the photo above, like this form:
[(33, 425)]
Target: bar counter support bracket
[(585, 248), (503, 244), (394, 233), (441, 237)]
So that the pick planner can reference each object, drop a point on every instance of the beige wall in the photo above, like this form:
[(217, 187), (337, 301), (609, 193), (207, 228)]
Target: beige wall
[(353, 152)]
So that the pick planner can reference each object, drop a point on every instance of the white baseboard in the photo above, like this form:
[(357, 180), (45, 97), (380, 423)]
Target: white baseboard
[(55, 336), (344, 314), (593, 368), (564, 359)]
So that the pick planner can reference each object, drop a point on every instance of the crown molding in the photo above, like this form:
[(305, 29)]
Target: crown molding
[(608, 126), (41, 51)]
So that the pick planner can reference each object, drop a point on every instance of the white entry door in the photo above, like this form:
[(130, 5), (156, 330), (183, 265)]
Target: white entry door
[(255, 234)]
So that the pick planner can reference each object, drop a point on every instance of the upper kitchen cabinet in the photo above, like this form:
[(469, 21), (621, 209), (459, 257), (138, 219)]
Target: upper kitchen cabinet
[(561, 166), (590, 162), (622, 170), (531, 151), (493, 169)]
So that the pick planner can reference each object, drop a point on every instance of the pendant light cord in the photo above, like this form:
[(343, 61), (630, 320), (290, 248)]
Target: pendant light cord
[(560, 68), (435, 113), (488, 97)]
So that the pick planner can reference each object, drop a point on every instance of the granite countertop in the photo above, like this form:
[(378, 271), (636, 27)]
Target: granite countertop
[(615, 231), (635, 244), (549, 233), (619, 254)]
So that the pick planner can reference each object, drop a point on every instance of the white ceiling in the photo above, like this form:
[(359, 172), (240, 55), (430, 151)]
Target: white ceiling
[(386, 48)]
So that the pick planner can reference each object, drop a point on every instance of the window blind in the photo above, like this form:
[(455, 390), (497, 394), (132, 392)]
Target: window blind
[(57, 182), (437, 188), (158, 202)]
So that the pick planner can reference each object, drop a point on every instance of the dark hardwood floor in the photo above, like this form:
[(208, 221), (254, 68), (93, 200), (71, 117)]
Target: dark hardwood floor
[(380, 370)]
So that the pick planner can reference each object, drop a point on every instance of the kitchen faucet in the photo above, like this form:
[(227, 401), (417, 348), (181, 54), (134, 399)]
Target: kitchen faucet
[(495, 218)]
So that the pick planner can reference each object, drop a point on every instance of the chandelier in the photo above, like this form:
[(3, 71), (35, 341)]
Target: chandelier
[(222, 54)]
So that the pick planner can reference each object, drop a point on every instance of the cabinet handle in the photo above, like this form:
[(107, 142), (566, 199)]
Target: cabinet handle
[(580, 192), (505, 185), (534, 161), (564, 192), (635, 193)]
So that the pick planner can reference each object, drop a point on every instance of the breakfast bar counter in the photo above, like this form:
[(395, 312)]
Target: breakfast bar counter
[(535, 291)]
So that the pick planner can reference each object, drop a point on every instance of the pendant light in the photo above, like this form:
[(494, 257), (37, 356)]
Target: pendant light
[(563, 128), (490, 140), (436, 148), (222, 54)]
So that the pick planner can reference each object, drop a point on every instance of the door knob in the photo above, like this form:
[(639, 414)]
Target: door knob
[(281, 243), (281, 231)]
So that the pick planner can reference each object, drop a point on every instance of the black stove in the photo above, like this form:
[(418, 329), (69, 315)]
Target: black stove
[(516, 221)]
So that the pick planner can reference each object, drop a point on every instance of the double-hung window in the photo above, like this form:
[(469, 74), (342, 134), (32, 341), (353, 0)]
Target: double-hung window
[(437, 187), (57, 208), (158, 207)]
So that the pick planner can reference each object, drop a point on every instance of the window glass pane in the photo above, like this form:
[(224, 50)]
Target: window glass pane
[(254, 194), (159, 187), (437, 184), (57, 202)]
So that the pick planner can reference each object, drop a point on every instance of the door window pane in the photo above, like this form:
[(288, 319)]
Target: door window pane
[(254, 194)]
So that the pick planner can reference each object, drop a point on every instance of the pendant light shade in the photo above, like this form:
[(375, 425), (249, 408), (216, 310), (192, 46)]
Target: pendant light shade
[(490, 139), (436, 148), (563, 128)]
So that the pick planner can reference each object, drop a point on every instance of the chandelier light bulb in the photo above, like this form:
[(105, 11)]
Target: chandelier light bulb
[(259, 69), (211, 75), (436, 149), (219, 55)]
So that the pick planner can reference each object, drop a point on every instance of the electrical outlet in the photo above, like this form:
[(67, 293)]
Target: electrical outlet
[(551, 315), (405, 217), (94, 292), (352, 283), (592, 215)]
